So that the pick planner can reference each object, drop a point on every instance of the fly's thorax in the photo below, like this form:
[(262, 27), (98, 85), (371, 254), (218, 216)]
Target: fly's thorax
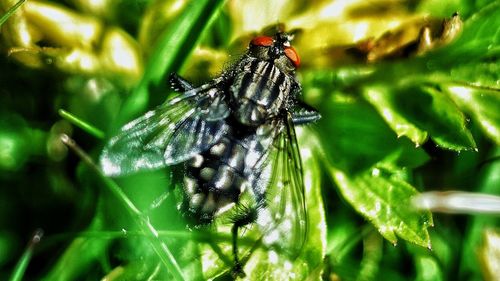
[(259, 91)]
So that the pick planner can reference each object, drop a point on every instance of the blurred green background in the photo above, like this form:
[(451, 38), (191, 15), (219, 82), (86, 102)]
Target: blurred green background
[(401, 116)]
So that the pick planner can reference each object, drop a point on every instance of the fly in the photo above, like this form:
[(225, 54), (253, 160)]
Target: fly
[(233, 139)]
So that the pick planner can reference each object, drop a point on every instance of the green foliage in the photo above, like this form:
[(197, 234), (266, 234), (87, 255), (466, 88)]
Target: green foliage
[(389, 131), (173, 46), (12, 10)]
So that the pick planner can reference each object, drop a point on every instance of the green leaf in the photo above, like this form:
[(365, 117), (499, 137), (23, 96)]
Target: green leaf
[(173, 47), (353, 135), (469, 60), (406, 156), (480, 38), (438, 8), (482, 104), (479, 74), (382, 99), (432, 111), (384, 200), (428, 269)]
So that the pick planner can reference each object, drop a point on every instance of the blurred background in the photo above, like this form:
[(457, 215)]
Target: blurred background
[(408, 91)]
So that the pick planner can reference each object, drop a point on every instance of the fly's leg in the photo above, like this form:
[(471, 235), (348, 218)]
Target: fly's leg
[(303, 114), (245, 216), (179, 84)]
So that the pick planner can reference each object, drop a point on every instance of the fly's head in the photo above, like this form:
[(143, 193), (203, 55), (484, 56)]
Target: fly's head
[(276, 49)]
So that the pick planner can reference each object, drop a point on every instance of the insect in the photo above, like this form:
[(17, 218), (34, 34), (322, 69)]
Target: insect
[(232, 137)]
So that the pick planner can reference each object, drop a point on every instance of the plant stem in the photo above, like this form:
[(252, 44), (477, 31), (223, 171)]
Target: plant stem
[(11, 11), (81, 124)]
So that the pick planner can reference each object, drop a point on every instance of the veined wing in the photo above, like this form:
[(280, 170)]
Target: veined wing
[(283, 216), (172, 133)]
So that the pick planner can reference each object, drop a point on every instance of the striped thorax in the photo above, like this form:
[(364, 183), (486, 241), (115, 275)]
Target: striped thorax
[(259, 91)]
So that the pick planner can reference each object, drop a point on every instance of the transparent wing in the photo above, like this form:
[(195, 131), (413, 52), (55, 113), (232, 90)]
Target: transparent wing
[(284, 214), (169, 134)]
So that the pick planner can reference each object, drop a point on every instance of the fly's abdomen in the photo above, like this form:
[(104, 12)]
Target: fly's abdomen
[(259, 91), (215, 179)]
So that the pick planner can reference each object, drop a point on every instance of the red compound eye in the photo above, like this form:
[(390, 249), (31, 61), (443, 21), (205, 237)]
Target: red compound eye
[(292, 55), (264, 41)]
